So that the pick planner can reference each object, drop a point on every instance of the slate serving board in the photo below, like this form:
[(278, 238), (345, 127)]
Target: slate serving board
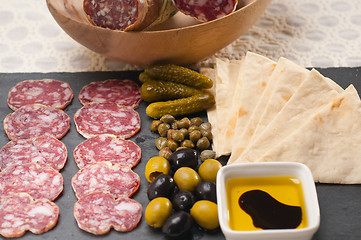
[(340, 205)]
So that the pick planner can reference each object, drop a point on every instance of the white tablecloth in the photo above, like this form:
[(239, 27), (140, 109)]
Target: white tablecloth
[(323, 33)]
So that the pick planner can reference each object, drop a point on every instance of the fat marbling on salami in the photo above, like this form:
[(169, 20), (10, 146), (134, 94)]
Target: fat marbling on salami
[(206, 10), (19, 213), (49, 92), (120, 181), (98, 212), (39, 182), (107, 147), (107, 118), (43, 150), (123, 92), (35, 120)]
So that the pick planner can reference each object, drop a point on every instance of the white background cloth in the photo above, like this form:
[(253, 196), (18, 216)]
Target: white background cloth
[(323, 33)]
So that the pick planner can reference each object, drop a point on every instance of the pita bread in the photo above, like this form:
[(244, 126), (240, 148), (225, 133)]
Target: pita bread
[(285, 79), (254, 78), (227, 81), (328, 143), (313, 93)]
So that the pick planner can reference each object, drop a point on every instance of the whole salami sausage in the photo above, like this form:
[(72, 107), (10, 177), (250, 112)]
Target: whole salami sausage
[(206, 10), (122, 92), (98, 212), (49, 92), (38, 182), (107, 118), (20, 213), (120, 181), (44, 150), (128, 14), (107, 147), (35, 120)]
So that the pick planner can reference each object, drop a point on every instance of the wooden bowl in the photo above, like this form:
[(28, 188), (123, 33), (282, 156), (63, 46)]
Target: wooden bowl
[(180, 40)]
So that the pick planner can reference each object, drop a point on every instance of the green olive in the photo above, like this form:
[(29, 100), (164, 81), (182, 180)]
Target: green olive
[(203, 143), (207, 154), (184, 123), (187, 143), (197, 121), (208, 170), (205, 126), (195, 135), (173, 145), (163, 129), (205, 214), (161, 143), (185, 133), (155, 167), (167, 118), (158, 211), (165, 152), (154, 126), (186, 179), (177, 135)]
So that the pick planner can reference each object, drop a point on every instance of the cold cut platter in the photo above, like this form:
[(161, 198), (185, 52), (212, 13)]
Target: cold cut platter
[(339, 204)]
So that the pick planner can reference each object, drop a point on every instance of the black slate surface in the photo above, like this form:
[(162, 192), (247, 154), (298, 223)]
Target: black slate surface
[(340, 205)]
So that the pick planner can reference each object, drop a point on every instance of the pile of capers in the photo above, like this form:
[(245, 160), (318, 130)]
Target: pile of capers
[(183, 133), (181, 192)]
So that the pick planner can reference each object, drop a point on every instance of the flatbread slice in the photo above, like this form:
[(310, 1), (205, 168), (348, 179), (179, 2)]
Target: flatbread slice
[(227, 84), (314, 93), (328, 143), (254, 77), (285, 79)]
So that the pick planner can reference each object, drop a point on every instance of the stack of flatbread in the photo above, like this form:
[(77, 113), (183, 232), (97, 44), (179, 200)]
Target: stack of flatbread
[(270, 111)]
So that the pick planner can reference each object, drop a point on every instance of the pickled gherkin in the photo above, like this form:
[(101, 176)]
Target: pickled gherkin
[(143, 77), (175, 73), (152, 91), (181, 106)]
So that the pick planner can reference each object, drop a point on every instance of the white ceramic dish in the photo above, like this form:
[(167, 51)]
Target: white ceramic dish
[(272, 169)]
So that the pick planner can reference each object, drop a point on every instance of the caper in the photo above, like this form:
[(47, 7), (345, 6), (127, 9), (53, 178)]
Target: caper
[(184, 123), (203, 143), (187, 143), (205, 126), (154, 126), (161, 142), (177, 135), (185, 132), (169, 133), (180, 148), (196, 121), (192, 128), (208, 154), (207, 134), (165, 152), (163, 129), (173, 145), (174, 125), (195, 135), (167, 118)]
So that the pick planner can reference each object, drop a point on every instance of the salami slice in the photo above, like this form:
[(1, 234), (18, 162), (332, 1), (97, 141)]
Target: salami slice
[(128, 14), (120, 181), (44, 150), (122, 92), (20, 213), (49, 92), (107, 147), (39, 182), (206, 10), (98, 212), (36, 120), (107, 118)]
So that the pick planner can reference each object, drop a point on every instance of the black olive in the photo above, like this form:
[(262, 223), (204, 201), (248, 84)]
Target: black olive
[(185, 157), (178, 224), (206, 190), (161, 186), (183, 201)]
